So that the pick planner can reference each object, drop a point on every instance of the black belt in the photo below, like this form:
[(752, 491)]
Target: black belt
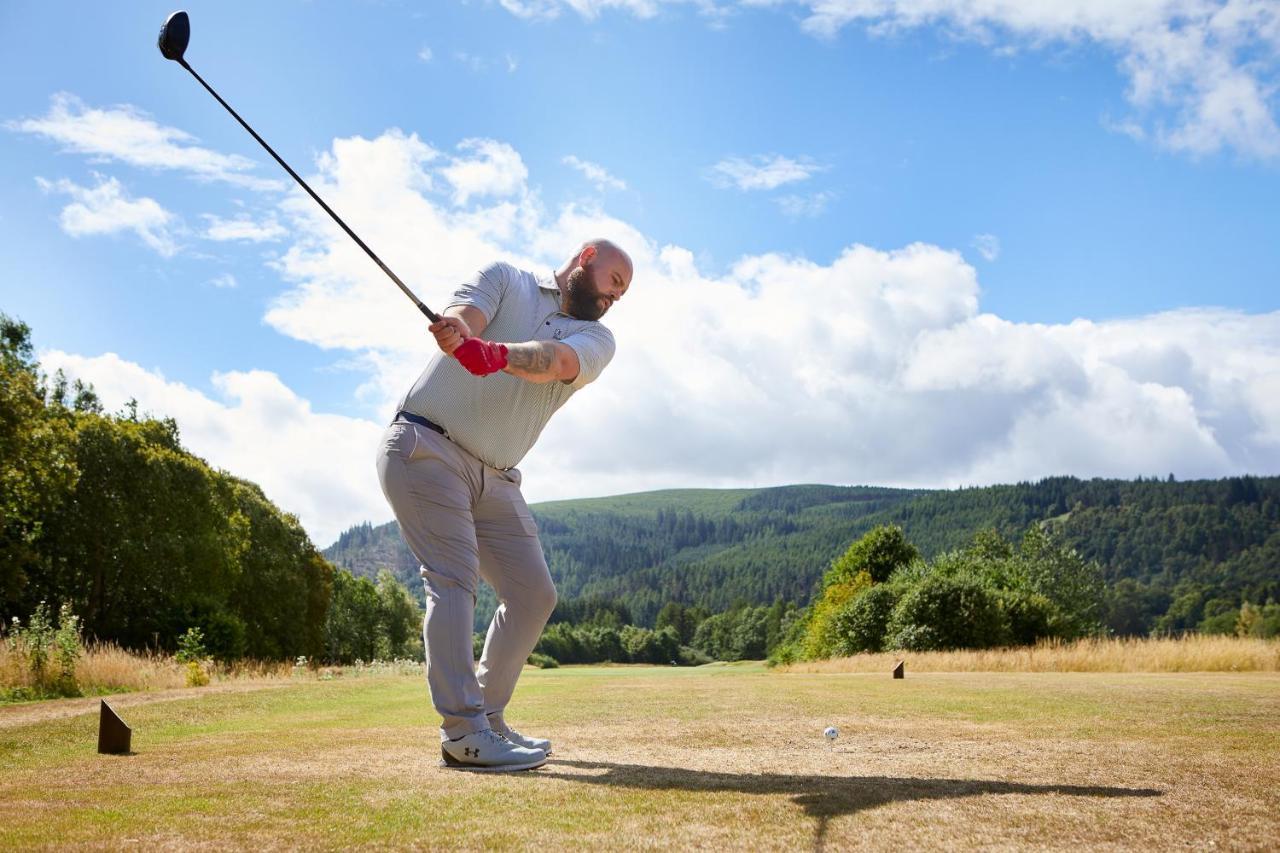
[(419, 420)]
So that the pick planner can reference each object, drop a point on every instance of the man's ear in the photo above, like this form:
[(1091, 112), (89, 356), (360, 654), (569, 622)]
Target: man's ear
[(588, 255)]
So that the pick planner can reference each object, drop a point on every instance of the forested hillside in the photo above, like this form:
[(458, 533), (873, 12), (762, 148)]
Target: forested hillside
[(1172, 553)]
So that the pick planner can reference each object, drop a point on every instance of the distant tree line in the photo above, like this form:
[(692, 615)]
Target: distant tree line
[(109, 514), (1174, 556)]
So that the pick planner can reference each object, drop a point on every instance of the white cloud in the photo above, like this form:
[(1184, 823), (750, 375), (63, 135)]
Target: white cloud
[(762, 172), (243, 228), (126, 134), (805, 206), (1202, 74), (595, 173), (492, 169), (988, 245), (106, 208), (875, 366), (317, 466), (226, 281), (425, 54), (888, 372)]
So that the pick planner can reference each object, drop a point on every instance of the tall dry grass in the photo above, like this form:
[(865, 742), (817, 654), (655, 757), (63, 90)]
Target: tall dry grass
[(107, 668), (1194, 653)]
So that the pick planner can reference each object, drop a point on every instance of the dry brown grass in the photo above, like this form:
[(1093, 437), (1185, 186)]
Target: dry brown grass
[(1182, 654), (107, 668), (728, 757)]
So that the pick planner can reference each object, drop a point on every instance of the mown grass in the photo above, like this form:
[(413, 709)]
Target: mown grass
[(719, 756)]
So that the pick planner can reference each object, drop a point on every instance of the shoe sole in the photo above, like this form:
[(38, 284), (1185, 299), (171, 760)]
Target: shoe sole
[(448, 762)]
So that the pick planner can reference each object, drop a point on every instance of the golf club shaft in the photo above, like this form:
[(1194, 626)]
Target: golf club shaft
[(431, 315)]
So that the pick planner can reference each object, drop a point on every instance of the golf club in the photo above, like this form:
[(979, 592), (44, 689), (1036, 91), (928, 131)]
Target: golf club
[(174, 36)]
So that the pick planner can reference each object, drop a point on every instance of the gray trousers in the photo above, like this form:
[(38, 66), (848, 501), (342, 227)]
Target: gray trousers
[(463, 521)]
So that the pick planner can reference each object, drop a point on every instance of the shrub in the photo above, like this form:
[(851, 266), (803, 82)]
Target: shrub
[(819, 638), (68, 650), (948, 613), (38, 639), (689, 656), (1261, 622), (1029, 615), (543, 661), (196, 674), (861, 625), (191, 647)]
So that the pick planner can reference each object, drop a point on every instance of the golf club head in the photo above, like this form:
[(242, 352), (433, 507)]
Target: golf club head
[(174, 35)]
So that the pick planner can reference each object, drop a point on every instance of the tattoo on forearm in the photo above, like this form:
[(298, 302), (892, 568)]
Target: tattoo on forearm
[(531, 358)]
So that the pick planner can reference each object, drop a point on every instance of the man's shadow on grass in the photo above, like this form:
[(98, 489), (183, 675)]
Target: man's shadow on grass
[(821, 797)]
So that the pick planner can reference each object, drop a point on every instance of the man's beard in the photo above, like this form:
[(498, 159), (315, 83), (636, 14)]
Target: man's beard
[(582, 299)]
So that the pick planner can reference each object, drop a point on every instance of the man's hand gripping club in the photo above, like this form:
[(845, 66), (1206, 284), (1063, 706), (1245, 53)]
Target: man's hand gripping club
[(479, 357)]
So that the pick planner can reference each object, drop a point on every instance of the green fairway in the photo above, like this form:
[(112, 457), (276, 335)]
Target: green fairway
[(724, 755)]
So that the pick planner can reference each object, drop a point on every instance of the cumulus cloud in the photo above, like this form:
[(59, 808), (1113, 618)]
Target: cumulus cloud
[(893, 374), (762, 172), (595, 173), (226, 281), (877, 365), (243, 228), (1202, 74), (486, 168), (317, 466), (106, 208), (127, 135)]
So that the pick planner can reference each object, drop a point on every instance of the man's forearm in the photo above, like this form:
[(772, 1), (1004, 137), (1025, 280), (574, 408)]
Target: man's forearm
[(534, 361)]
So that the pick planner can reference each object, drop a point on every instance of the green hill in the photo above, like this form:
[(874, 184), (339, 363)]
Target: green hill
[(1163, 545)]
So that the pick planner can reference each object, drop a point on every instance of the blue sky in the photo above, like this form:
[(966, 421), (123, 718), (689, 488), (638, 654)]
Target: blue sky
[(1091, 194)]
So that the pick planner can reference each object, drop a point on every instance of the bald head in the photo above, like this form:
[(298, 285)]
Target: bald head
[(594, 279)]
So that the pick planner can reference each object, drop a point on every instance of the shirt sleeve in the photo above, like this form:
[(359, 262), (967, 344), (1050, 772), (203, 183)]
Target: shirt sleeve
[(484, 290), (594, 346)]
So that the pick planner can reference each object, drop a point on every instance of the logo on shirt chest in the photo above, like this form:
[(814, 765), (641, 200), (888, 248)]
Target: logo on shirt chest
[(557, 334)]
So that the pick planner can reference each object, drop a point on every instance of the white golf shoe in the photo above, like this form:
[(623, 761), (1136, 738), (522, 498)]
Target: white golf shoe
[(500, 726), (488, 751)]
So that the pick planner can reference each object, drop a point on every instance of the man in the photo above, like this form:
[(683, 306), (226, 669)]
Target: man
[(514, 347)]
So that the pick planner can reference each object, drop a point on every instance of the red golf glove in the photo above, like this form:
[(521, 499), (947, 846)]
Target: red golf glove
[(481, 357)]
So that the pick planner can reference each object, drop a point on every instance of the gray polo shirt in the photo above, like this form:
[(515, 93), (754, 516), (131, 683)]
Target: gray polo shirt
[(499, 417)]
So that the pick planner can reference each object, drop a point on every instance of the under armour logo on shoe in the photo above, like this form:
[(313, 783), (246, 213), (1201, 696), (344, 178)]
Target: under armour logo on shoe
[(469, 752)]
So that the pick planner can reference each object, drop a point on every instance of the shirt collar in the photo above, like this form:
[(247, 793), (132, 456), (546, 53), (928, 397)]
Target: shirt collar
[(548, 282)]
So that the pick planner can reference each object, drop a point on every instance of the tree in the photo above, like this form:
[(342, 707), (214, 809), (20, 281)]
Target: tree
[(399, 619), (37, 467), (878, 553), (351, 631)]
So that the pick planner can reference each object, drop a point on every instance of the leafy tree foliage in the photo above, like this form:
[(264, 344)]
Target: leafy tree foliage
[(863, 624), (947, 612), (145, 542)]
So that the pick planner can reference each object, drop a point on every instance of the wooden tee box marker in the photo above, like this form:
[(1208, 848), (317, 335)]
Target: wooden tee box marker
[(900, 671), (114, 735)]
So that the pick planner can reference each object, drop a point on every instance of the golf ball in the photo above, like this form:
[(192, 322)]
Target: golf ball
[(832, 733)]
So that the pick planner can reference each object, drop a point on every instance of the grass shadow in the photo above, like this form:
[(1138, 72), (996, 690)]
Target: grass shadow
[(821, 797)]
